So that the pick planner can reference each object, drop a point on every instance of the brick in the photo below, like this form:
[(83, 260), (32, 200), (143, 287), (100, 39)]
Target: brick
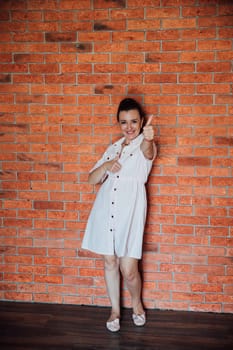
[(43, 27), (166, 34), (211, 152), (73, 5), (209, 110), (196, 56), (59, 16), (34, 16), (179, 23), (137, 89), (8, 286), (179, 46), (18, 296), (163, 12), (146, 67), (201, 11), (225, 55), (110, 68), (145, 3), (30, 78), (127, 13), (206, 307), (93, 58), (47, 298), (28, 58), (59, 37), (185, 67), (179, 89), (48, 205), (12, 27), (5, 57), (194, 161), (110, 47), (143, 46), (216, 67), (191, 278), (220, 21), (207, 45), (39, 288), (196, 78), (95, 36), (109, 25), (12, 48), (5, 78), (164, 305), (14, 68), (7, 99), (5, 37), (160, 78), (220, 77), (126, 78), (4, 16), (84, 15), (224, 99), (197, 100), (161, 57), (143, 24), (225, 32), (41, 47), (46, 5), (18, 277), (42, 68), (28, 37), (214, 88), (74, 68)]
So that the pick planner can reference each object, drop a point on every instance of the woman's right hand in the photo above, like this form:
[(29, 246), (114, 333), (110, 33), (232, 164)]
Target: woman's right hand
[(113, 165), (97, 175)]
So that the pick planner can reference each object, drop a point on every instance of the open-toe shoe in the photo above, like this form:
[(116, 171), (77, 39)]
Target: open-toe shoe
[(139, 320), (113, 326)]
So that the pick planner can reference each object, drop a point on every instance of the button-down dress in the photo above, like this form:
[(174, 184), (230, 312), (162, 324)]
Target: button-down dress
[(116, 222)]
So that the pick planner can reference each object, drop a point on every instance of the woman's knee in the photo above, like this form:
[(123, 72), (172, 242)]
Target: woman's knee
[(111, 262), (129, 271)]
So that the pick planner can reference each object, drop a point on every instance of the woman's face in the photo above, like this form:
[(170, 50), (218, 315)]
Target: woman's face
[(130, 124)]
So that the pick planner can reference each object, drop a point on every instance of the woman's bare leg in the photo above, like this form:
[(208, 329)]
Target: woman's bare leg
[(129, 269), (112, 279)]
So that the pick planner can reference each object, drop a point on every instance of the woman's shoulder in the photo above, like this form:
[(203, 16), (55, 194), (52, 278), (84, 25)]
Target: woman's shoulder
[(112, 147)]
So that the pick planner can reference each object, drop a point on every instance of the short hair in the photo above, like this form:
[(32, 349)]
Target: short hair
[(129, 103)]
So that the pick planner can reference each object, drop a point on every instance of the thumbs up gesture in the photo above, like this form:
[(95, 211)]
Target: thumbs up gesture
[(113, 165), (148, 130)]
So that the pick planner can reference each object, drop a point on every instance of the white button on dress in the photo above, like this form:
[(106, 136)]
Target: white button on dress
[(116, 222)]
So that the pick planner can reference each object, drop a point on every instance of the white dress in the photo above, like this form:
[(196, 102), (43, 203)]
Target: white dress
[(116, 222)]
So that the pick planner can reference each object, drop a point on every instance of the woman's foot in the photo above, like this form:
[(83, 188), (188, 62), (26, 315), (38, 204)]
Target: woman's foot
[(139, 316), (139, 319), (113, 323)]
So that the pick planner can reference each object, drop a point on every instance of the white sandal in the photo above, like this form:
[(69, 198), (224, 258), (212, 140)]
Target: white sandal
[(139, 320), (113, 326)]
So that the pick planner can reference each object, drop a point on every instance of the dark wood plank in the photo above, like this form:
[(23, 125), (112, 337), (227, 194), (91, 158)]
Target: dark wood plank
[(26, 326)]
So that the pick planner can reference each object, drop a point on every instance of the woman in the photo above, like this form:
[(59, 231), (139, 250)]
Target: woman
[(116, 223)]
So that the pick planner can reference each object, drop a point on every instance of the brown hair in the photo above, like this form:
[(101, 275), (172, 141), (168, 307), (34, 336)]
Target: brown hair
[(129, 103)]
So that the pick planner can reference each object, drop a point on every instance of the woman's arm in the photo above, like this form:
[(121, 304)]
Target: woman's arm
[(148, 146), (97, 174), (149, 149)]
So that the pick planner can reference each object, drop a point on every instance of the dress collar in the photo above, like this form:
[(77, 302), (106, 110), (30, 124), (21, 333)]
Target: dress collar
[(135, 141)]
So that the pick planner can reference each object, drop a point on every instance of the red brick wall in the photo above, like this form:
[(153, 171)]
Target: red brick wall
[(64, 67)]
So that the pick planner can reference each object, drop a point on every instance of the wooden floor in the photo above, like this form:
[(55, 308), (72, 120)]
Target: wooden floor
[(53, 327)]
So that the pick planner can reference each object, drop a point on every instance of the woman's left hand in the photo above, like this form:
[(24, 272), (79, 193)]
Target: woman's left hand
[(148, 130)]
